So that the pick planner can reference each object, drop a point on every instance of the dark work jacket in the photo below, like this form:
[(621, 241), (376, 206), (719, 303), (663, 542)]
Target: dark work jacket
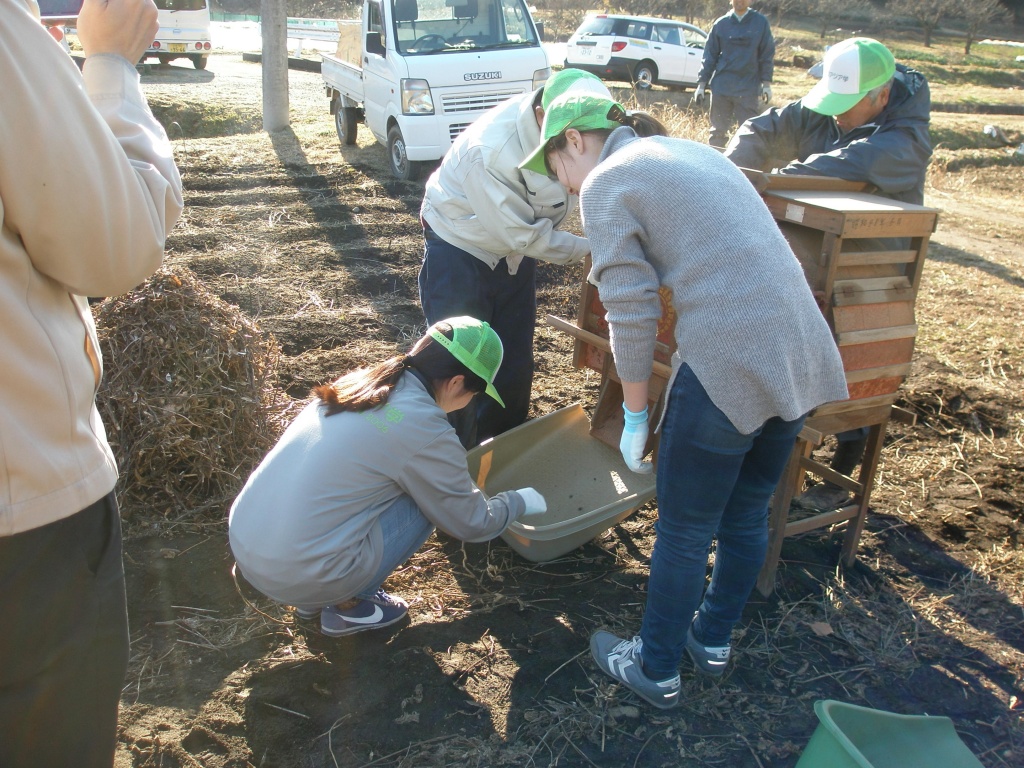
[(891, 153), (739, 55)]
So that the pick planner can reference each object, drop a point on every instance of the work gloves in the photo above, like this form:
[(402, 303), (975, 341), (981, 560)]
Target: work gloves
[(698, 95), (535, 503), (634, 440), (766, 92)]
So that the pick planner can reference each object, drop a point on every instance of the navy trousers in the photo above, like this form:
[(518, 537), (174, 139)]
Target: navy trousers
[(453, 283)]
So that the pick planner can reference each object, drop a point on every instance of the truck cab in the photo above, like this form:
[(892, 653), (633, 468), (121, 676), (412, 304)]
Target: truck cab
[(428, 68)]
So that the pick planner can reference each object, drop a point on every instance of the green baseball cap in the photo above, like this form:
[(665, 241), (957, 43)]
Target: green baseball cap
[(476, 346), (582, 111), (851, 69), (575, 80)]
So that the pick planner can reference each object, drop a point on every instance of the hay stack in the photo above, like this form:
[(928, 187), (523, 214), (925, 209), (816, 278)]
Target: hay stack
[(188, 396)]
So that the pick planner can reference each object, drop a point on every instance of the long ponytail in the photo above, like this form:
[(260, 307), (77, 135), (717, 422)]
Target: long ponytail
[(372, 387)]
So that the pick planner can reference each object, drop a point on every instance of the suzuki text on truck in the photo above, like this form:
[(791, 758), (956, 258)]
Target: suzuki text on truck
[(418, 72)]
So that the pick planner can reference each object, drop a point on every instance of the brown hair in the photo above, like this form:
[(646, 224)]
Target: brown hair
[(368, 388), (642, 123)]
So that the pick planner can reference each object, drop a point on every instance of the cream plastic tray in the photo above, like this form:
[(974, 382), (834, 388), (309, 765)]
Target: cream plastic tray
[(586, 484)]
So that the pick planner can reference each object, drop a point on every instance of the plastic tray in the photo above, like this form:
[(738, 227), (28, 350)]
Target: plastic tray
[(586, 484), (849, 736)]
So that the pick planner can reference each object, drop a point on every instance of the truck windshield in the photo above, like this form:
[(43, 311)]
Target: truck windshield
[(180, 5), (450, 26)]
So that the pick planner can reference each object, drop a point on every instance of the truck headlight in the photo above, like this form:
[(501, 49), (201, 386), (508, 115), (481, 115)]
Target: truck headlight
[(416, 99), (540, 77)]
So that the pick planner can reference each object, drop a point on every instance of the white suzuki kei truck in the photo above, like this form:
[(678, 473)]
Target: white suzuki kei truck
[(418, 72)]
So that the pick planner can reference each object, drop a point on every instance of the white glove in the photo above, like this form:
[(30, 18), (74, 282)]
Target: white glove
[(698, 95), (634, 440), (766, 92), (535, 503)]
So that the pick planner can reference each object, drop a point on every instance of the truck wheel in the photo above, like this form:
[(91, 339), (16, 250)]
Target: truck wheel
[(645, 75), (199, 62), (401, 166), (346, 123)]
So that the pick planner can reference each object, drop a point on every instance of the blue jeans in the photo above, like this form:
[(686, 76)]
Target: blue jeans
[(405, 529), (713, 482), (454, 283)]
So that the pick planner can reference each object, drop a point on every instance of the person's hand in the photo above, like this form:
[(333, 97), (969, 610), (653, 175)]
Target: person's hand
[(766, 92), (698, 95), (535, 503), (122, 27), (634, 440)]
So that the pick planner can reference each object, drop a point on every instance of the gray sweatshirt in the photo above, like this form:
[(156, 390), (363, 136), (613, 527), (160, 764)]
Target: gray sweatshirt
[(304, 528), (664, 211)]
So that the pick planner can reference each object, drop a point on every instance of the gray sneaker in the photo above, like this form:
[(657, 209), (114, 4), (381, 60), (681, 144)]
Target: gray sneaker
[(381, 610), (621, 659), (709, 659)]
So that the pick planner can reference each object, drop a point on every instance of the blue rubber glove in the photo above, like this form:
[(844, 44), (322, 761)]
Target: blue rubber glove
[(634, 440)]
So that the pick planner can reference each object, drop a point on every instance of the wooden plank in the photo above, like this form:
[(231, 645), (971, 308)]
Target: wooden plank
[(831, 424), (868, 335), (806, 524), (859, 356), (906, 293), (863, 271), (858, 317), (886, 371), (846, 406), (872, 387), (659, 369), (859, 258), (816, 218), (782, 181)]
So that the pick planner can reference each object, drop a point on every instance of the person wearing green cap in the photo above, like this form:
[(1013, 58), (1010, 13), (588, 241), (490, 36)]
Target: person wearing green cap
[(754, 356), (865, 120), (485, 224), (362, 476)]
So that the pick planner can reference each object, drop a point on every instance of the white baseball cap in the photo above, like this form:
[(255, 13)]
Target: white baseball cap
[(851, 69)]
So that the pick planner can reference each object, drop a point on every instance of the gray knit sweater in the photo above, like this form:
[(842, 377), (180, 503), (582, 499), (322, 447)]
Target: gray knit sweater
[(664, 211)]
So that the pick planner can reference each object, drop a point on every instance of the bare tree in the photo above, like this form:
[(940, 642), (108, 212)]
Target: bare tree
[(977, 14), (274, 28), (928, 14)]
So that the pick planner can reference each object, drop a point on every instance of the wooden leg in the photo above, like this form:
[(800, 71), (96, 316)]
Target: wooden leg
[(866, 481), (789, 484)]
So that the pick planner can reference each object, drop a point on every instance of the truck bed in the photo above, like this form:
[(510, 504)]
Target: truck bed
[(344, 77)]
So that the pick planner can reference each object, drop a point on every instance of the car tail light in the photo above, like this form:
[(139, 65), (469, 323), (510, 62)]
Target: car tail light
[(156, 44), (618, 45), (199, 46), (206, 46)]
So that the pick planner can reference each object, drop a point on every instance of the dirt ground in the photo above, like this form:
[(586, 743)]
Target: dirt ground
[(321, 249)]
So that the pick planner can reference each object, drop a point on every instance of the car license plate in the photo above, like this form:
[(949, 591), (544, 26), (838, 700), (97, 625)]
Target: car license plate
[(586, 51), (176, 47)]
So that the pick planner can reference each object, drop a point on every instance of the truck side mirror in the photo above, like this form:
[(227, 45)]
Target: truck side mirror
[(540, 29), (375, 43)]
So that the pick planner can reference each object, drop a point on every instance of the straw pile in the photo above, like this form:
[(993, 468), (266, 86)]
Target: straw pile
[(188, 397)]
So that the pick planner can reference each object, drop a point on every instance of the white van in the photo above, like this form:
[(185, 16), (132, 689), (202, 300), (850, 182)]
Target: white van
[(184, 32)]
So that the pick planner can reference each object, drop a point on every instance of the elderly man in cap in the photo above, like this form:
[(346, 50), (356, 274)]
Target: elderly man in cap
[(866, 120), (485, 225)]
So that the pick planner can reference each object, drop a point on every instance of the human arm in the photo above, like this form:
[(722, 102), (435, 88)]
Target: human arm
[(635, 427), (95, 199), (709, 62), (768, 141), (892, 161), (437, 480), (501, 207), (766, 54)]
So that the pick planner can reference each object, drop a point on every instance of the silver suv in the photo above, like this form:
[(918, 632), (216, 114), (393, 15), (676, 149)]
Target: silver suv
[(638, 49)]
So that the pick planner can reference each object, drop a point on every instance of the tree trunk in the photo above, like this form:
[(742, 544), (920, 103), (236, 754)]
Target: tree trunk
[(274, 27)]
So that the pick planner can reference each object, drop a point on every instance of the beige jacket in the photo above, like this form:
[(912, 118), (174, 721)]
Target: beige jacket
[(478, 199), (88, 192)]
